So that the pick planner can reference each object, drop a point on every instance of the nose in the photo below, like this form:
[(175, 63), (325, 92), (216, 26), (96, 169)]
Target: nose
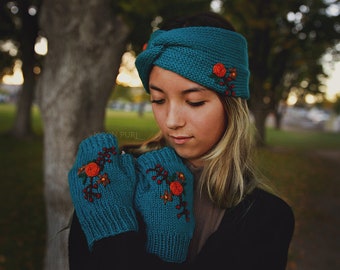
[(175, 118)]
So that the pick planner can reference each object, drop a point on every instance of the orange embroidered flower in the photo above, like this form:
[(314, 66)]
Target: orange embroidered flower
[(166, 197), (92, 169), (233, 74), (176, 188), (181, 176), (219, 70), (103, 179)]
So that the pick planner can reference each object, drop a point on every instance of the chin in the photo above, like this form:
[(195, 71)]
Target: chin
[(188, 155)]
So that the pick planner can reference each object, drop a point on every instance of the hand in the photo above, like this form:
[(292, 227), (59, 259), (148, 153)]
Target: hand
[(102, 184), (164, 197)]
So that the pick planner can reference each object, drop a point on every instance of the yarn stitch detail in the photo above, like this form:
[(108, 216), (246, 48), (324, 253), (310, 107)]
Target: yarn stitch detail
[(92, 174), (225, 76), (175, 183)]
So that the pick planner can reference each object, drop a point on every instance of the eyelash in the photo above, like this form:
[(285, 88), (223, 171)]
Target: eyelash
[(193, 104), (196, 104), (158, 101)]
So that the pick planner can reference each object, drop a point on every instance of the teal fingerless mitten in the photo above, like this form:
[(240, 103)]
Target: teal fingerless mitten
[(102, 185), (164, 197)]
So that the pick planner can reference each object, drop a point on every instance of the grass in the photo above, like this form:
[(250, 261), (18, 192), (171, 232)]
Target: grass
[(289, 162), (128, 127), (303, 140)]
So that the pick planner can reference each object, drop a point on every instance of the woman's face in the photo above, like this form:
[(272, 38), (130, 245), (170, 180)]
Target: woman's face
[(190, 116)]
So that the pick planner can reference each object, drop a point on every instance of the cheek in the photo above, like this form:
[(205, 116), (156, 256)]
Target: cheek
[(158, 115), (212, 125)]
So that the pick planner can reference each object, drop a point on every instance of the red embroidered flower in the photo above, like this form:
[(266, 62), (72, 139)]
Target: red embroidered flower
[(92, 169), (219, 70), (225, 76), (176, 188)]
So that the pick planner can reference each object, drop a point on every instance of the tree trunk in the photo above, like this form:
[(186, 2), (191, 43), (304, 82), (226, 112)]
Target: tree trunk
[(85, 45), (259, 109), (260, 124), (22, 126), (279, 112), (278, 119)]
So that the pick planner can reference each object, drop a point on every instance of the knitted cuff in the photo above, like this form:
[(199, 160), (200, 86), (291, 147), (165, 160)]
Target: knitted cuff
[(107, 223), (165, 156), (159, 242), (89, 147)]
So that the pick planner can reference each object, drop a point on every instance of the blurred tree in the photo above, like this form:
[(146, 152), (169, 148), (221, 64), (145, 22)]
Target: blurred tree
[(85, 45), (286, 42), (19, 25), (337, 105)]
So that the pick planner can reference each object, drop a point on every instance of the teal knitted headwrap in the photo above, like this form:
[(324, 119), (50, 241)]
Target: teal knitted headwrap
[(213, 57)]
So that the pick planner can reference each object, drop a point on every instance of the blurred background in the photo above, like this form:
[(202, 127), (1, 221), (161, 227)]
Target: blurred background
[(67, 71)]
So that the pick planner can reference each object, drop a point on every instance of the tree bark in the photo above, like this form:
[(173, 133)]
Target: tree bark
[(85, 43), (259, 109)]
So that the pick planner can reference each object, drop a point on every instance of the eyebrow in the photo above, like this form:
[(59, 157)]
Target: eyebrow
[(186, 91)]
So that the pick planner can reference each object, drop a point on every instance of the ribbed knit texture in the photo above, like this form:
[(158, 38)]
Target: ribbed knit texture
[(192, 53), (169, 231), (113, 212)]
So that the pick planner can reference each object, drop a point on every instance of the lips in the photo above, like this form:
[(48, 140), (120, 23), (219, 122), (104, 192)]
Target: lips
[(180, 139)]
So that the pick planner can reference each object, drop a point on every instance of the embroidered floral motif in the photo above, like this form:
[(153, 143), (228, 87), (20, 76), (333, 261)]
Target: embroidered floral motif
[(92, 174), (176, 183), (224, 76)]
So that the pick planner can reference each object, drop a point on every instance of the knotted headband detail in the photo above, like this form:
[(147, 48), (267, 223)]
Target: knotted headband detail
[(213, 57)]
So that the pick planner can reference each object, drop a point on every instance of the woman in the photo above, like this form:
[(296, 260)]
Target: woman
[(190, 198)]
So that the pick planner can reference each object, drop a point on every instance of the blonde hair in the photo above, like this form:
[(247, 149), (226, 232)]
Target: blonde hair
[(229, 172)]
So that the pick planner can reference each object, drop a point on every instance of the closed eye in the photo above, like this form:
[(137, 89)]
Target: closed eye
[(196, 104), (158, 101)]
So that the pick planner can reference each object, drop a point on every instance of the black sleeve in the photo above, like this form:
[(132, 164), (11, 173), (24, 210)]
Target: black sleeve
[(78, 252), (121, 252), (254, 235), (268, 234)]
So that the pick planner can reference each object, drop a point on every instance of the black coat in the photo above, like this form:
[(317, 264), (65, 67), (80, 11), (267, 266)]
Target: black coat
[(255, 234)]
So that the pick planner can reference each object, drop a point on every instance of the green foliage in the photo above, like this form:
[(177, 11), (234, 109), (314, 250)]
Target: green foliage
[(284, 52), (141, 15)]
